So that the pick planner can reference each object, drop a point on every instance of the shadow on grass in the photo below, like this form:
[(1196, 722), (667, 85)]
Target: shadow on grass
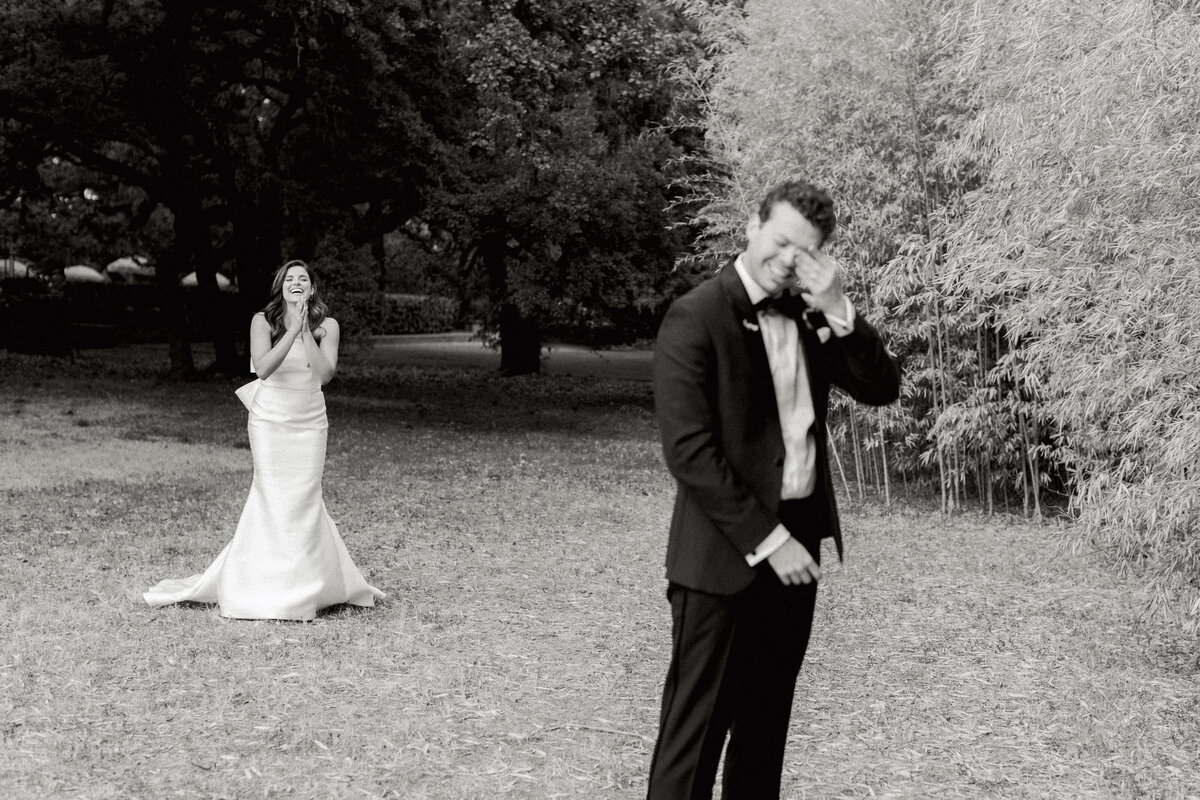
[(404, 396)]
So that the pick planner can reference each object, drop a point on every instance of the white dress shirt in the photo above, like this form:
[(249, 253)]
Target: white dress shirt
[(793, 397)]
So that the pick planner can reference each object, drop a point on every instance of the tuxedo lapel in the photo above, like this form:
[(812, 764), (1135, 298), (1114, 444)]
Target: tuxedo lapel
[(747, 320), (731, 284)]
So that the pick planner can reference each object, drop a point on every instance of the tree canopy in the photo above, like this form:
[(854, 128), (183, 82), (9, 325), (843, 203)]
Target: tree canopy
[(255, 126), (527, 132), (560, 195)]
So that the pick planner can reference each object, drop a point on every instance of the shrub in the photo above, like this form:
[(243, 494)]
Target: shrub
[(415, 313), (362, 314), (359, 314), (32, 319)]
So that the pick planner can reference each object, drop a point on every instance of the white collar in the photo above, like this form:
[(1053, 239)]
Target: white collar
[(755, 291)]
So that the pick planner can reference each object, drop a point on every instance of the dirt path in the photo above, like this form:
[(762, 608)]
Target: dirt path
[(459, 350)]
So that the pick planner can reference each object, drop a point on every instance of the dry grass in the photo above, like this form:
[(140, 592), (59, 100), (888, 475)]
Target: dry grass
[(518, 528)]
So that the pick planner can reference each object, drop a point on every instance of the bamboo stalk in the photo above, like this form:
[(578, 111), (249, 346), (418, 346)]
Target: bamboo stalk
[(838, 460), (1034, 471), (872, 457), (887, 485), (981, 437), (957, 470), (948, 498), (1025, 465), (937, 412), (858, 468)]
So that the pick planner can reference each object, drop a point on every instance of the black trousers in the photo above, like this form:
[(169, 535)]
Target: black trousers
[(734, 663)]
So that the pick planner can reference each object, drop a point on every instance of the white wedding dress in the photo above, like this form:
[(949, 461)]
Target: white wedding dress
[(286, 559)]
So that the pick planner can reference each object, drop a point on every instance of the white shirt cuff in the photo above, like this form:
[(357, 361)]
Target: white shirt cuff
[(769, 545), (840, 326)]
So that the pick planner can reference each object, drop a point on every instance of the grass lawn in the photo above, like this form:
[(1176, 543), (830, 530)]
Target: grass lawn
[(518, 528)]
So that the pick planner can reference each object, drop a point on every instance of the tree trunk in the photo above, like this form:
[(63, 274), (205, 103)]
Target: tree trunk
[(1030, 439), (256, 248), (179, 199), (873, 454), (216, 309), (467, 262), (520, 337), (379, 253), (176, 263), (520, 343), (179, 343)]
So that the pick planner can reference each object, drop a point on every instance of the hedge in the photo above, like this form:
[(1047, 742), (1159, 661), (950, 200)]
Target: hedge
[(370, 313)]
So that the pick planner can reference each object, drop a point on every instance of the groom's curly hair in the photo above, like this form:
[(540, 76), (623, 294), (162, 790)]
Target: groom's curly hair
[(811, 202)]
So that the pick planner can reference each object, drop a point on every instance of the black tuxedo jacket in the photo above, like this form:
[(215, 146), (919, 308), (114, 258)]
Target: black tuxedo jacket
[(721, 436)]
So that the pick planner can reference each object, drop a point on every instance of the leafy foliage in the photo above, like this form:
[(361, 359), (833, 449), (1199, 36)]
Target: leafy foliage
[(1019, 182), (526, 131), (1083, 245), (247, 123), (562, 186), (854, 97)]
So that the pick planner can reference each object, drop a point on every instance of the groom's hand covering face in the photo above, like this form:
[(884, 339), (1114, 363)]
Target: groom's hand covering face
[(774, 245), (820, 278)]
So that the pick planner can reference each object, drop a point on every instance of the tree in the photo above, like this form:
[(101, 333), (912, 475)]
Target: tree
[(527, 131), (244, 121), (67, 215), (562, 187)]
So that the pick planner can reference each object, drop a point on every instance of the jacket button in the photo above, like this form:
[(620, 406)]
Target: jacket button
[(779, 461)]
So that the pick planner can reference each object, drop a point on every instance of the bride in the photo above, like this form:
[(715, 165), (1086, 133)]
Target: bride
[(286, 559)]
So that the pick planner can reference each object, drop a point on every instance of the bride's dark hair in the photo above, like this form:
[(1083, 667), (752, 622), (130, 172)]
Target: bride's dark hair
[(273, 311)]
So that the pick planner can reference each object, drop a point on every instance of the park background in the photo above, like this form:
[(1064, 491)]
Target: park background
[(1018, 186)]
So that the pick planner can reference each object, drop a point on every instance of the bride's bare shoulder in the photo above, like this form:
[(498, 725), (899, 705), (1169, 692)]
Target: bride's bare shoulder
[(328, 325)]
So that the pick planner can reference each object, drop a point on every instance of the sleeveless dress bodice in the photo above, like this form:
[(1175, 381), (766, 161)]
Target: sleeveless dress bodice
[(295, 372)]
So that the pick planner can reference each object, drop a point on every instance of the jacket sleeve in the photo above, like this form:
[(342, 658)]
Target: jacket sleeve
[(861, 364), (686, 397)]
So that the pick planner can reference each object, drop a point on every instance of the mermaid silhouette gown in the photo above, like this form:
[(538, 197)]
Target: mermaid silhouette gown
[(286, 559)]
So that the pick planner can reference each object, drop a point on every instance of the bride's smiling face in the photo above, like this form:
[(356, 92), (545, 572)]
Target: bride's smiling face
[(297, 285)]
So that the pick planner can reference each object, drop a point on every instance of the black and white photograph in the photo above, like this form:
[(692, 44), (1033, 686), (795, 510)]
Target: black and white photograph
[(600, 399)]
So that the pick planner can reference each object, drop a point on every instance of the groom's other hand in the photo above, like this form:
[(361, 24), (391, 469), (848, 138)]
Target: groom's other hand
[(794, 564)]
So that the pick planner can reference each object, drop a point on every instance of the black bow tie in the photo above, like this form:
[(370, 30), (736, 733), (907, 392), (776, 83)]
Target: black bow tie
[(795, 306), (784, 303)]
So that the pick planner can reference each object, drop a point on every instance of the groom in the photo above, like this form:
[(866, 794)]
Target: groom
[(743, 366)]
